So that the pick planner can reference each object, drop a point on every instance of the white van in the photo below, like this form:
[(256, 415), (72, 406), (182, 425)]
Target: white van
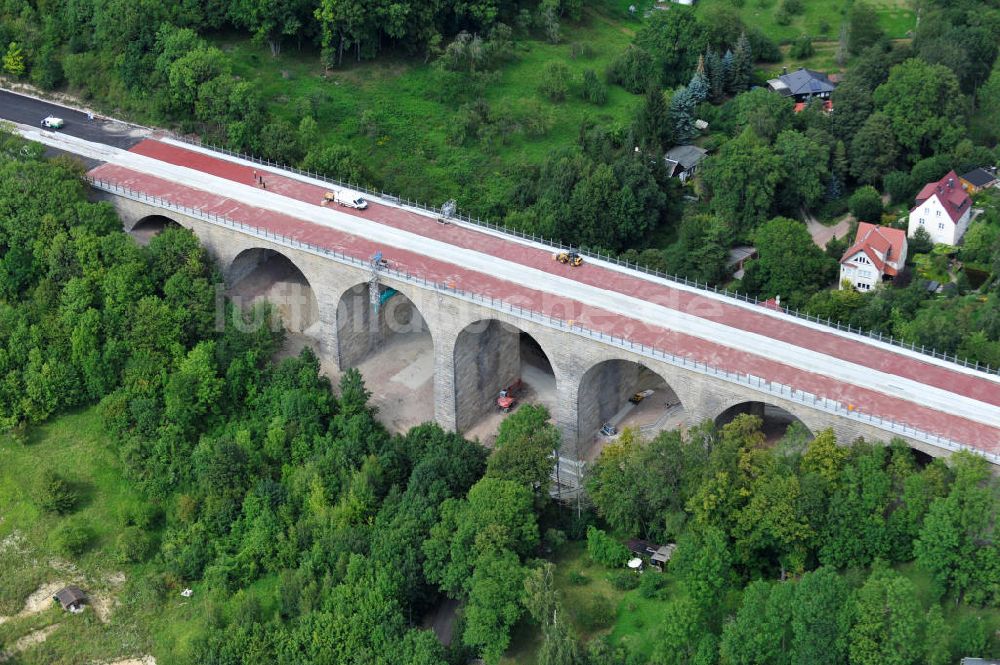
[(347, 199)]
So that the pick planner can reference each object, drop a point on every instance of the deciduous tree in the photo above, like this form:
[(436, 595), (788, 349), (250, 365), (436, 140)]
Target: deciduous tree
[(924, 106), (743, 178)]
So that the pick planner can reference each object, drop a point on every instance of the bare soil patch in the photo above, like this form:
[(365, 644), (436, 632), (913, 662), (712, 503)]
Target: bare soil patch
[(28, 641), (39, 601), (138, 660)]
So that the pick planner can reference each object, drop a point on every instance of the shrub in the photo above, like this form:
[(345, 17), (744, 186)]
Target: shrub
[(971, 636), (555, 77), (537, 119), (576, 578), (624, 580), (803, 47), (555, 538), (866, 204), (605, 550), (920, 242), (899, 186), (55, 495), (782, 16), (70, 538), (595, 614), (581, 50), (133, 545), (633, 69), (651, 583), (142, 515), (793, 6), (592, 89)]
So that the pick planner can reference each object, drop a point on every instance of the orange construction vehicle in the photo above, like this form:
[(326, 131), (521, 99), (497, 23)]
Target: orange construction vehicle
[(507, 399), (570, 258)]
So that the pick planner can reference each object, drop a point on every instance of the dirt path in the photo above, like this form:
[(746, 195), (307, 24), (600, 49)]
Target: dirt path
[(822, 234), (28, 641), (39, 601)]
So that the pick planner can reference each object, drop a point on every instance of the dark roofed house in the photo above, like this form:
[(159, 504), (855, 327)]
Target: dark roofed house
[(72, 598), (640, 547), (738, 256), (683, 160), (977, 180), (802, 85)]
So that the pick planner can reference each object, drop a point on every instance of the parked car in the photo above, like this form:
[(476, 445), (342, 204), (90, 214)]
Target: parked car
[(52, 122)]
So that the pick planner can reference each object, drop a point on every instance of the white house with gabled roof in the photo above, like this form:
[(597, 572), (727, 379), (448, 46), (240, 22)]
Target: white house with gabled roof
[(943, 209), (877, 255)]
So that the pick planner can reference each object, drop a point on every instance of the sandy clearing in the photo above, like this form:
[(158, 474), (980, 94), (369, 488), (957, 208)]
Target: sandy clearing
[(39, 601), (137, 660), (15, 541), (28, 641), (103, 605)]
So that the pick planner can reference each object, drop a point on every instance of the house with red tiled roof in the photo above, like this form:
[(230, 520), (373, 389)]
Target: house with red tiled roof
[(943, 209), (877, 255)]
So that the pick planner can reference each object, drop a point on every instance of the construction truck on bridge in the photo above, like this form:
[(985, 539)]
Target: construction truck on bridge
[(346, 198), (571, 258)]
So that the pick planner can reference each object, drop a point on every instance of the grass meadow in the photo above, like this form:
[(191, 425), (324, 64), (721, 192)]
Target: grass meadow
[(139, 614), (821, 19), (393, 113)]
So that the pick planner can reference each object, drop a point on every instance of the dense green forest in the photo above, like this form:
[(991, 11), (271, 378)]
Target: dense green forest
[(312, 535)]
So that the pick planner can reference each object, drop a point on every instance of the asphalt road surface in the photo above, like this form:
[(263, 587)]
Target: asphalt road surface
[(30, 111)]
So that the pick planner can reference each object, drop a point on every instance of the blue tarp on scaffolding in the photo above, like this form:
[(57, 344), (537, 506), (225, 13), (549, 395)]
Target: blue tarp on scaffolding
[(385, 295)]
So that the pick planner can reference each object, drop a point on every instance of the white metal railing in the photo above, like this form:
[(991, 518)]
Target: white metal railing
[(610, 258), (747, 380)]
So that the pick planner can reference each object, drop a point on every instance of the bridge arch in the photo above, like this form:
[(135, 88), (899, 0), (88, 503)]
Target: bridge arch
[(489, 356), (776, 419), (392, 345), (145, 228), (263, 274), (624, 393)]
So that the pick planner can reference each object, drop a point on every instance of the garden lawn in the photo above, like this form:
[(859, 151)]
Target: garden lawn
[(390, 111), (630, 619)]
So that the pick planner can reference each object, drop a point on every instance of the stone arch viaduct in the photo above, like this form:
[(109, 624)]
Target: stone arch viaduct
[(475, 343)]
